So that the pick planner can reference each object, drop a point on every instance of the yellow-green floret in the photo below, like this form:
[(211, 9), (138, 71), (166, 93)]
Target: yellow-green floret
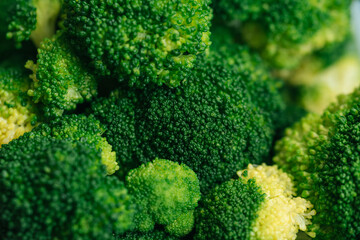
[(167, 194), (17, 112), (140, 41), (323, 155), (260, 205), (80, 128), (60, 79), (282, 214)]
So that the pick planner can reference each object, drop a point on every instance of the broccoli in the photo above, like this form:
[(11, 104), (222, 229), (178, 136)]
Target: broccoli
[(323, 155), (156, 234), (140, 41), (29, 19), (259, 205), (55, 189), (287, 30), (80, 128), (166, 193), (17, 113), (214, 122), (60, 79)]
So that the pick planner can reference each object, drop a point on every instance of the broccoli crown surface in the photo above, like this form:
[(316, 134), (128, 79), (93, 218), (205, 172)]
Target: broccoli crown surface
[(17, 112), (211, 122), (228, 211), (60, 79), (167, 194), (140, 41), (79, 128), (156, 234), (322, 153), (258, 206), (54, 189)]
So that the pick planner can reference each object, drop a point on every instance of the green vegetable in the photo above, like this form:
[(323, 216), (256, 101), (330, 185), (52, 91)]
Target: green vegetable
[(166, 193), (60, 79), (216, 122), (260, 205), (287, 30), (140, 41), (17, 113), (55, 189), (79, 128), (29, 19), (322, 153)]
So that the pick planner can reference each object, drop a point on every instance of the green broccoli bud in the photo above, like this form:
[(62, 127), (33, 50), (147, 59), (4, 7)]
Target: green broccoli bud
[(17, 113), (167, 194), (260, 205), (55, 189), (80, 128), (29, 19), (140, 41), (60, 79), (322, 154)]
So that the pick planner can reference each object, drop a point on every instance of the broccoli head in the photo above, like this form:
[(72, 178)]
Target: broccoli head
[(167, 194), (60, 79), (140, 41), (214, 123), (322, 153), (55, 189), (34, 19), (287, 30), (260, 205), (80, 128), (17, 113)]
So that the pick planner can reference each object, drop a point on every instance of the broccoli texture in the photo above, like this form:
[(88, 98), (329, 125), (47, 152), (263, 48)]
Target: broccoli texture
[(156, 234), (287, 30), (17, 113), (29, 19), (322, 154), (213, 122), (140, 41), (60, 78), (166, 193), (54, 189), (79, 128), (260, 205)]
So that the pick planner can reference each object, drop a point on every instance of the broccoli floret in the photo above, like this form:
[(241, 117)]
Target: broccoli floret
[(140, 41), (156, 234), (167, 194), (260, 205), (287, 30), (80, 128), (322, 153), (212, 122), (34, 19), (17, 113), (60, 79), (54, 189)]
